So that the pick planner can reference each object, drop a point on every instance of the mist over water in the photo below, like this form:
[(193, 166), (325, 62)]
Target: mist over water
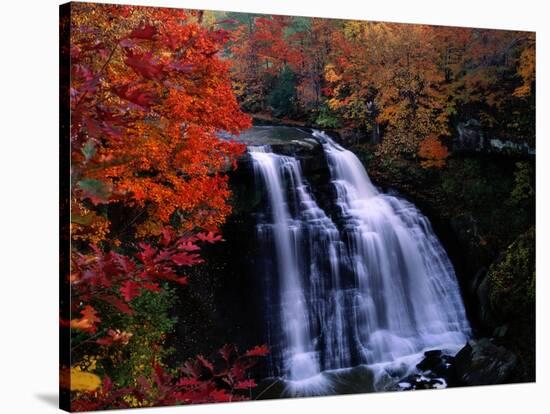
[(366, 283)]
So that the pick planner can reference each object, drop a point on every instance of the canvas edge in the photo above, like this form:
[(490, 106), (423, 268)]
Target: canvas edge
[(64, 204)]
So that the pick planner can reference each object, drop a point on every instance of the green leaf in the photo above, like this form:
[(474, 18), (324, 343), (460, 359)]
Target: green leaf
[(88, 149), (82, 220), (96, 190)]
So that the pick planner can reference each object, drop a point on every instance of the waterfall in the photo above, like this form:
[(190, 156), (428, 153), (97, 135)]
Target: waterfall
[(300, 361), (408, 295), (368, 284)]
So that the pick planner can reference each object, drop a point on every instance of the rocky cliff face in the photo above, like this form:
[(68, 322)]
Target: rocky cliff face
[(296, 142), (471, 136)]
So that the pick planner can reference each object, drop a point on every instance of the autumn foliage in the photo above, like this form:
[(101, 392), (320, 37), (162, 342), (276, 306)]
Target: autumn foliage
[(432, 152), (198, 381), (149, 97), (405, 82)]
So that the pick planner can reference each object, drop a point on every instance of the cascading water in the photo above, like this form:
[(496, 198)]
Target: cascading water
[(305, 242), (372, 285), (299, 360), (409, 297)]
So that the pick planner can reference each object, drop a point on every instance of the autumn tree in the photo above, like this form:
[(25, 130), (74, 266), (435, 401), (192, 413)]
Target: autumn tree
[(526, 67), (351, 73), (387, 74), (312, 38), (432, 152), (271, 56), (146, 78), (493, 82), (412, 101), (149, 96)]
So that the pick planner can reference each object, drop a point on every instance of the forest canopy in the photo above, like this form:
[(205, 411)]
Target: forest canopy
[(413, 82)]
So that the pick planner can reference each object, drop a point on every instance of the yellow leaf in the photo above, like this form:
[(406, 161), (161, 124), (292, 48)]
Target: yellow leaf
[(84, 381), (331, 75)]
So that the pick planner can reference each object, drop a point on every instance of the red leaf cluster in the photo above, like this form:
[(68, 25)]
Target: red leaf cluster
[(117, 279), (200, 381)]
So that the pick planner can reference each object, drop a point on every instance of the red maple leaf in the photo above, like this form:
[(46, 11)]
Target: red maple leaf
[(257, 351), (89, 313), (188, 246), (147, 253), (191, 369), (186, 259), (144, 64), (226, 351), (209, 237), (119, 304), (130, 290), (205, 363), (145, 32), (87, 322), (246, 384)]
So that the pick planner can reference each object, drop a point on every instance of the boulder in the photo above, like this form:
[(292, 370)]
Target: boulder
[(438, 363), (482, 362), (469, 136), (419, 382)]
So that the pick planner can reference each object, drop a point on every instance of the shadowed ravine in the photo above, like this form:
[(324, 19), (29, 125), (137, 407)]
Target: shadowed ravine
[(366, 284)]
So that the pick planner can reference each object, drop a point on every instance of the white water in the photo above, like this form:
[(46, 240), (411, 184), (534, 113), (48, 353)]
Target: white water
[(300, 362), (376, 289)]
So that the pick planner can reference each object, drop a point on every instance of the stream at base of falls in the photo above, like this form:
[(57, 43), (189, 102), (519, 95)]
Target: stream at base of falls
[(356, 293)]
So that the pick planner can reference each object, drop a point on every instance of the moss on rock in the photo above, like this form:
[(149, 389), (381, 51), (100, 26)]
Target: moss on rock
[(512, 300), (512, 278)]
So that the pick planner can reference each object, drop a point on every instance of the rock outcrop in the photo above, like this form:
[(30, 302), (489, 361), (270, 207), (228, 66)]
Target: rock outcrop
[(481, 362)]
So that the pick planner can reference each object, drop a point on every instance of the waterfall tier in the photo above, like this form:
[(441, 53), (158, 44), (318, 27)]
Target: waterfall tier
[(368, 284)]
